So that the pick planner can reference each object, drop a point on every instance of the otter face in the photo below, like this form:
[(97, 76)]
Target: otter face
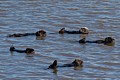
[(109, 40), (77, 62), (62, 31), (41, 33), (84, 30), (29, 51)]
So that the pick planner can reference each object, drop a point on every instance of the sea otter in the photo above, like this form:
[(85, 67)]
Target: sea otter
[(107, 41), (83, 30), (27, 51), (75, 63), (40, 33)]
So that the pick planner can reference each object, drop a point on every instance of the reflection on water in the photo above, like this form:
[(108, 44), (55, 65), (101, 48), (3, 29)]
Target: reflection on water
[(102, 17), (40, 38)]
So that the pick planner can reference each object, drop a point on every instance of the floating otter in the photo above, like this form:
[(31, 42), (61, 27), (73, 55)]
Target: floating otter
[(75, 63), (27, 51), (107, 41), (83, 30), (40, 33)]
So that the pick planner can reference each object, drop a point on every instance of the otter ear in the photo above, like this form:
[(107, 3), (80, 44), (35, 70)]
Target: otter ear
[(12, 48)]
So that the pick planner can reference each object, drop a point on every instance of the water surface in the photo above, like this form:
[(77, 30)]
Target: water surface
[(101, 62)]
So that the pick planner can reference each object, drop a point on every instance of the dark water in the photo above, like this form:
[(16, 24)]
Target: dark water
[(101, 62)]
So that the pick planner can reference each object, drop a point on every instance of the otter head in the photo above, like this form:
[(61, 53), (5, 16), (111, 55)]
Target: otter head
[(62, 31), (108, 40), (12, 48), (77, 62), (84, 30), (41, 33), (53, 65), (82, 40), (29, 51)]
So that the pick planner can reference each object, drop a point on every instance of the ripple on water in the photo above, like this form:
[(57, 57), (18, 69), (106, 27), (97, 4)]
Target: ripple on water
[(100, 61)]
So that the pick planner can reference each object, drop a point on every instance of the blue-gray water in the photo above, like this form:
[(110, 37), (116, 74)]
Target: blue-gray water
[(101, 62)]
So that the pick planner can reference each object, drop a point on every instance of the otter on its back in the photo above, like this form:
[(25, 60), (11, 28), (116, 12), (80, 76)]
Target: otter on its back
[(106, 41), (41, 33), (83, 30), (27, 51), (75, 63)]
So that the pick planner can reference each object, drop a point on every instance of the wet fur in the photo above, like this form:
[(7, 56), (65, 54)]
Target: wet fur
[(83, 30), (75, 63), (27, 51), (41, 33), (107, 40)]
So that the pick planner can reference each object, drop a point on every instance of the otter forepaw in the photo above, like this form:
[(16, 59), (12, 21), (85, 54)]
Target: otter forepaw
[(12, 48)]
